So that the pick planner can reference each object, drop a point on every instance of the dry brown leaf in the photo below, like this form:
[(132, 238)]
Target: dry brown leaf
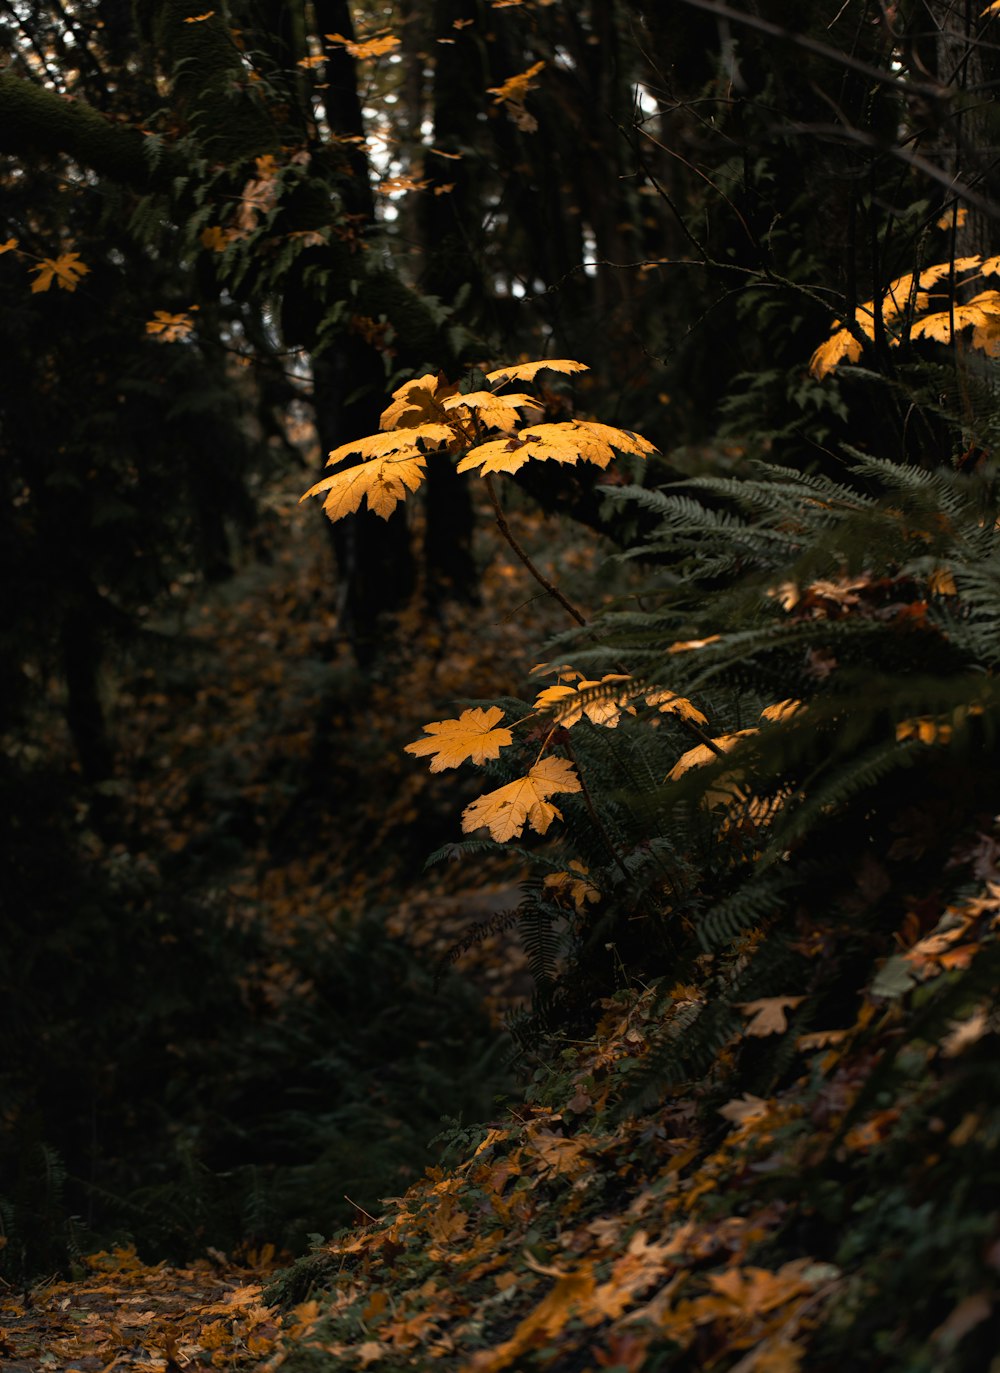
[(767, 1014)]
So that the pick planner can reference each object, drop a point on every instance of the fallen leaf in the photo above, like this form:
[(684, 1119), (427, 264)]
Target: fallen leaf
[(768, 1014)]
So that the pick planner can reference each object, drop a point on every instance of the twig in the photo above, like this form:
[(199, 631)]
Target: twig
[(539, 576)]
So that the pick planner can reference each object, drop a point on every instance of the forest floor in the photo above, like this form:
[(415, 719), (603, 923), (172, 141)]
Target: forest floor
[(613, 1217), (344, 821)]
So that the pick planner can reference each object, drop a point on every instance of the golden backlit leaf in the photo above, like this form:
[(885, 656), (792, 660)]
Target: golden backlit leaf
[(926, 729), (471, 738), (395, 185), (669, 703), (515, 88), (701, 753), (199, 18), (525, 371), (497, 412), (983, 311), (570, 441), (66, 270), (838, 346), (567, 705), (956, 217), (524, 801), (781, 710), (383, 482), (767, 1015), (169, 328), (902, 294), (412, 442), (624, 440), (8, 247), (365, 48), (416, 402)]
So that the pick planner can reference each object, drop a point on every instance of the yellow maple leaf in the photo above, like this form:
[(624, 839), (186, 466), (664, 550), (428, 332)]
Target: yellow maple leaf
[(169, 327), (572, 1294), (567, 707), (395, 185), (414, 442), (990, 9), (383, 482), (574, 884), (570, 441), (368, 47), (781, 710), (767, 1014), (958, 216), (669, 703), (986, 337), (699, 755), (524, 371), (515, 88), (416, 402), (66, 270), (524, 801), (217, 238), (926, 729), (471, 738), (838, 346), (8, 247), (199, 18), (982, 311), (497, 412)]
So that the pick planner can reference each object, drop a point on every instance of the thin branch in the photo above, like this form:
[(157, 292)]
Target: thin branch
[(933, 91), (539, 576)]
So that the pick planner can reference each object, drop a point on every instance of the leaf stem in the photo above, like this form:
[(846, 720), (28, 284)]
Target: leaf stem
[(568, 605), (538, 575)]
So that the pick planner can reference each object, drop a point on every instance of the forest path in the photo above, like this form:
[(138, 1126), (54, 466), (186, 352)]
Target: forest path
[(261, 751)]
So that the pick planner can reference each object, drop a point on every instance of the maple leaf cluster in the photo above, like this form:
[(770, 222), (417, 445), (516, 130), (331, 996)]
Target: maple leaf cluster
[(488, 432), (907, 301), (477, 736)]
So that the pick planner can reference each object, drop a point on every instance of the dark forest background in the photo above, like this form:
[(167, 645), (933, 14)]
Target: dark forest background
[(222, 1010)]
